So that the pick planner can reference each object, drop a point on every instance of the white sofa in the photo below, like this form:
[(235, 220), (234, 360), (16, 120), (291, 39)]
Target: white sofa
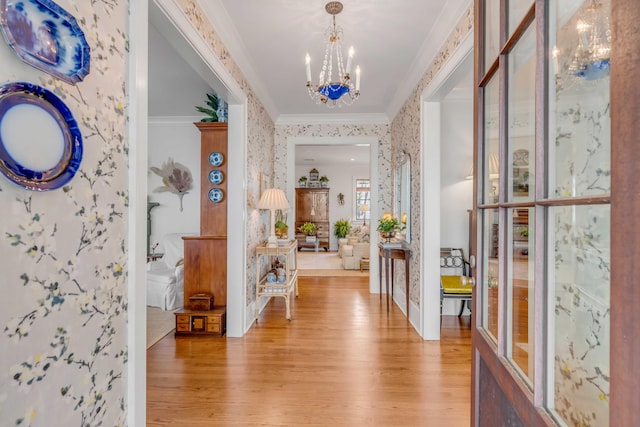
[(165, 277), (355, 248)]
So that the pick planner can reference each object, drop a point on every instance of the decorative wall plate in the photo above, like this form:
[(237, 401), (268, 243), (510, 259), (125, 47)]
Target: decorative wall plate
[(40, 143), (216, 177), (216, 158), (216, 195), (47, 37)]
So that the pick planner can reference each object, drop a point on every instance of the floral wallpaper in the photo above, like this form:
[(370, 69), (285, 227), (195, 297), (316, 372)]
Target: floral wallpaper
[(63, 316), (581, 166), (405, 135), (260, 145)]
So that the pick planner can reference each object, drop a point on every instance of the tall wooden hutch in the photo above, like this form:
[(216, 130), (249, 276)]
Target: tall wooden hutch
[(205, 256)]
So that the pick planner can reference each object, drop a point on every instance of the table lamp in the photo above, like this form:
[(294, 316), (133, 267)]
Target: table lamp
[(273, 199), (364, 209)]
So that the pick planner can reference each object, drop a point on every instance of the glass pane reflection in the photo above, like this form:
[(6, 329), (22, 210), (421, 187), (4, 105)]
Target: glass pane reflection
[(520, 273), (491, 141), (522, 116), (579, 113), (490, 281), (580, 283)]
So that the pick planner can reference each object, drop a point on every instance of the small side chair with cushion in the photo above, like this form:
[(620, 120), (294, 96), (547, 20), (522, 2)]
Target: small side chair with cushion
[(455, 282)]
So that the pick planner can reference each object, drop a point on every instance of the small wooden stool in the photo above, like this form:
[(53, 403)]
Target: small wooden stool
[(364, 263)]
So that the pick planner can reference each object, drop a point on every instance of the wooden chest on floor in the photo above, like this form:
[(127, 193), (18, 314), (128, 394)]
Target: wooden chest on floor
[(192, 322)]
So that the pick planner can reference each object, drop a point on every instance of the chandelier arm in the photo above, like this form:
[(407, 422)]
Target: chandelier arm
[(332, 92)]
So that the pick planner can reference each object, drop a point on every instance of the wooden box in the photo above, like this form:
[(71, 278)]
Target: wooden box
[(201, 302)]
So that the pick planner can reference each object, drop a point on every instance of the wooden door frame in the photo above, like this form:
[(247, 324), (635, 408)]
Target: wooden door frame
[(625, 238)]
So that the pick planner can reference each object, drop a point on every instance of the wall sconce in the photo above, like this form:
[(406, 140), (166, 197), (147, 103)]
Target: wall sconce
[(340, 199)]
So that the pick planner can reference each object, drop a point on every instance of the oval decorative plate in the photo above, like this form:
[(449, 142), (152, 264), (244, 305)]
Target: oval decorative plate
[(40, 142), (216, 195), (216, 158), (47, 37), (216, 177)]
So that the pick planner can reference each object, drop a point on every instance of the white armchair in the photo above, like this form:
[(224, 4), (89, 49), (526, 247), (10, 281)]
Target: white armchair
[(165, 277)]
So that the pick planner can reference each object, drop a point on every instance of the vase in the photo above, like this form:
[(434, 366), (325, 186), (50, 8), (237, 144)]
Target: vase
[(387, 235)]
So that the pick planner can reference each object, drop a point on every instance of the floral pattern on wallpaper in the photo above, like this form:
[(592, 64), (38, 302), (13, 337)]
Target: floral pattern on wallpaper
[(405, 135), (582, 314), (581, 161), (63, 353), (260, 145)]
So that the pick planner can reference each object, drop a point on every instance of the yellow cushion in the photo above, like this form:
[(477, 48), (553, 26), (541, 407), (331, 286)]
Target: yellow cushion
[(456, 284)]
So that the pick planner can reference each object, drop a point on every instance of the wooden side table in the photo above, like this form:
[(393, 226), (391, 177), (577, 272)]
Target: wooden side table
[(390, 252), (154, 257), (364, 264)]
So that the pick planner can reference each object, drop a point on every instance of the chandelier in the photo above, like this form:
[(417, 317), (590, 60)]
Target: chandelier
[(340, 90), (590, 58)]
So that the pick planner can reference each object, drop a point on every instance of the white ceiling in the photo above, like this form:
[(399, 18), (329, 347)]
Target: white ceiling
[(394, 42)]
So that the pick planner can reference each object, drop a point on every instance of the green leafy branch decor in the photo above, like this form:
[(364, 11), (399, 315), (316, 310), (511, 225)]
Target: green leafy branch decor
[(212, 111), (176, 178)]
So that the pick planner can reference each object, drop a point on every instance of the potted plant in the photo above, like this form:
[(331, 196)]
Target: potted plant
[(342, 228), (324, 181), (281, 228), (387, 226), (302, 181), (309, 229)]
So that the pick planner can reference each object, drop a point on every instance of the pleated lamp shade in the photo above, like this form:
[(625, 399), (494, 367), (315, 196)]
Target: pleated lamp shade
[(273, 198)]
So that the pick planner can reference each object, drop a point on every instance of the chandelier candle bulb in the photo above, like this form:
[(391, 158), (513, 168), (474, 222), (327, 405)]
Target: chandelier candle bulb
[(358, 78), (333, 90)]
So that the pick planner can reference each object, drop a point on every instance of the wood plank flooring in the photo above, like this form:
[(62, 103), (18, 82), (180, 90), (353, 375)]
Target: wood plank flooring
[(341, 361)]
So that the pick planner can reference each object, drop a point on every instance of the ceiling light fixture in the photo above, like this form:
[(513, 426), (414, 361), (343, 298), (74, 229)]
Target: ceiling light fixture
[(329, 91)]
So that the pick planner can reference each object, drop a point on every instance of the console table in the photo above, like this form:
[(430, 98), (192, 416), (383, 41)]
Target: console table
[(390, 252), (278, 289)]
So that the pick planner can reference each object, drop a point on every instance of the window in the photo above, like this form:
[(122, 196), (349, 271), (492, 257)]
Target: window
[(363, 200)]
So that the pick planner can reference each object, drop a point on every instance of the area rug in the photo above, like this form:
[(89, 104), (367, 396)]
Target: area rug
[(159, 324), (312, 264)]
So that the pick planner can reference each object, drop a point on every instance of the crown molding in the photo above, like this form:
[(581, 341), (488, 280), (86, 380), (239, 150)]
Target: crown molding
[(443, 28), (216, 13), (313, 119), (173, 120)]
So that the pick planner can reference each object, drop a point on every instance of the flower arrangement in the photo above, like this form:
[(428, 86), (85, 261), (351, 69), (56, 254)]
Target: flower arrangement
[(388, 224)]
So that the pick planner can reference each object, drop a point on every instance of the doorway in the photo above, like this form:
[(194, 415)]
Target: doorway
[(292, 180), (447, 120)]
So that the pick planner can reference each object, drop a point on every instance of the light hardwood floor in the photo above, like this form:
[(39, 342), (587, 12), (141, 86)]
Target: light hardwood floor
[(341, 361)]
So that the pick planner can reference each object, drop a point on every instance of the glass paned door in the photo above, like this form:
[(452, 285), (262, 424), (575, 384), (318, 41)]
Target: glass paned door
[(543, 208), (579, 242)]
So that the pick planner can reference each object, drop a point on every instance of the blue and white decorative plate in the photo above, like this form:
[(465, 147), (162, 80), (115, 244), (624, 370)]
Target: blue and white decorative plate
[(40, 143), (216, 195), (216, 177), (216, 158), (47, 37)]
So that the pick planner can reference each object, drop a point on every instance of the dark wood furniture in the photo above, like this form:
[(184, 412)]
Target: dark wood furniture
[(205, 256), (206, 322), (312, 205), (390, 252)]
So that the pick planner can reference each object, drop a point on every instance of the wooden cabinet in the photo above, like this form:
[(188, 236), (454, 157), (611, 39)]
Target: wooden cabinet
[(312, 205), (205, 256), (211, 322)]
